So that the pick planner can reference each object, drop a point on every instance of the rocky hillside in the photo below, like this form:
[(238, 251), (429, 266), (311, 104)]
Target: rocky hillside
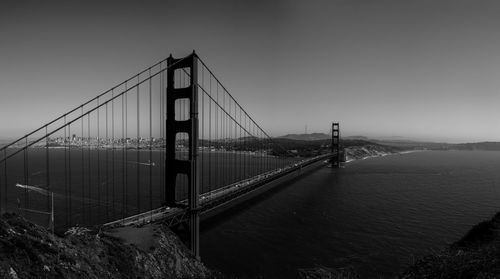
[(30, 251), (356, 152), (476, 255)]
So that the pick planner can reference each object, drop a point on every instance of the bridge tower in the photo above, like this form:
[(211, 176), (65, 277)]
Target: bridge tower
[(336, 157), (175, 166)]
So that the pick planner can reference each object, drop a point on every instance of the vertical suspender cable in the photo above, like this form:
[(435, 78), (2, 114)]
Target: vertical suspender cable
[(89, 140), (123, 157), (126, 156), (240, 143), (137, 164), (106, 142), (26, 193), (202, 143), (150, 144), (66, 195), (98, 165), (162, 137), (224, 135), (47, 170), (69, 212), (113, 197), (82, 186), (217, 138), (210, 140)]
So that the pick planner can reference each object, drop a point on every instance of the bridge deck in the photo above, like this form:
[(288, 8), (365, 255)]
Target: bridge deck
[(210, 200)]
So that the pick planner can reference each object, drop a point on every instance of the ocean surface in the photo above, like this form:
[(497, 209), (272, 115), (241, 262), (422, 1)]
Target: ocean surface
[(375, 215)]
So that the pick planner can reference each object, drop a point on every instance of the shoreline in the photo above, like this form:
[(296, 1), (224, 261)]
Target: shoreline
[(357, 153)]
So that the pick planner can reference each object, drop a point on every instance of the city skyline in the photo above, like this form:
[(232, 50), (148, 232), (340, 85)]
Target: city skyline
[(424, 70)]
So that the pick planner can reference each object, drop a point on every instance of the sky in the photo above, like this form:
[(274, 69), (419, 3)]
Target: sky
[(416, 69)]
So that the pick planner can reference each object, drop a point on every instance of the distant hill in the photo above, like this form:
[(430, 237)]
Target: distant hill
[(313, 136), (411, 144), (318, 139), (356, 138), (489, 146)]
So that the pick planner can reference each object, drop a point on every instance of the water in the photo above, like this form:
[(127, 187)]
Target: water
[(374, 215), (94, 186)]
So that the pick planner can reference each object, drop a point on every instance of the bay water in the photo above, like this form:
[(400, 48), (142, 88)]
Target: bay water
[(375, 216)]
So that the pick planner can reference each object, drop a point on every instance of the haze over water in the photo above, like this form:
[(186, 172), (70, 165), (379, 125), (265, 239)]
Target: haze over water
[(374, 215)]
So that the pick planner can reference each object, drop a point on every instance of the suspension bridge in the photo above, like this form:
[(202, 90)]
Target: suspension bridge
[(169, 144)]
